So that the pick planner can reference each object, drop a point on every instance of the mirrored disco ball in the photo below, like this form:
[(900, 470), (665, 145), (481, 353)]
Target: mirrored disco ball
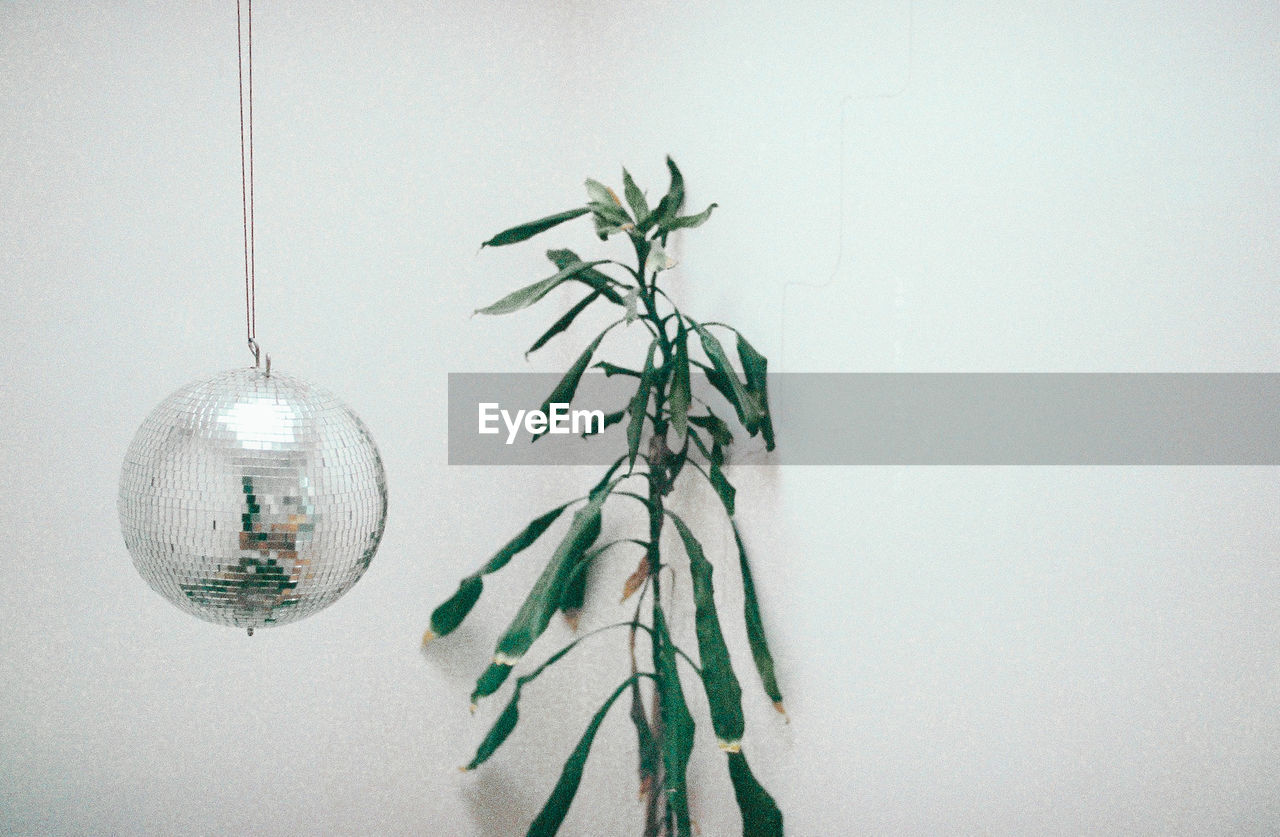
[(252, 499)]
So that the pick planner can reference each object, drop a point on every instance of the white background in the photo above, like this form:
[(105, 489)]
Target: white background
[(949, 187)]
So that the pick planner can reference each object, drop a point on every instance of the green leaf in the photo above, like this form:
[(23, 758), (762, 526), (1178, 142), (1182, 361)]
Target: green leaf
[(756, 367), (506, 722), (721, 483), (716, 456), (712, 455), (676, 190), (597, 192), (669, 206), (755, 627), (610, 419), (575, 594), (760, 814), (490, 681), (635, 197), (647, 745), (715, 426), (677, 725), (553, 812), (575, 588), (688, 221), (524, 540), (737, 395), (528, 295), (564, 322), (611, 369), (638, 407), (449, 615), (604, 486), (610, 212), (591, 277), (563, 393), (609, 218), (724, 695), (676, 464), (532, 228), (545, 596), (678, 400), (499, 732), (717, 379)]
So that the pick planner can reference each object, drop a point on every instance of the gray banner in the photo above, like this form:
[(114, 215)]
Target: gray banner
[(912, 419)]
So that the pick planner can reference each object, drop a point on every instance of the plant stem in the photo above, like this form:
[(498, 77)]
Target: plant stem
[(657, 810), (656, 477)]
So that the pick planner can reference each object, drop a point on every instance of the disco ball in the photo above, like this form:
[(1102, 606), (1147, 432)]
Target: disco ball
[(252, 499)]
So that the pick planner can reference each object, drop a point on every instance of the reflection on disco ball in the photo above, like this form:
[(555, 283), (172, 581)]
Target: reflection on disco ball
[(252, 499)]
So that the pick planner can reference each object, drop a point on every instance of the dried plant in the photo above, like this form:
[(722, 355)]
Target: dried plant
[(680, 440)]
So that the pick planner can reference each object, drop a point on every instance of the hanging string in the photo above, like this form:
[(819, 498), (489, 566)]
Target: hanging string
[(246, 172)]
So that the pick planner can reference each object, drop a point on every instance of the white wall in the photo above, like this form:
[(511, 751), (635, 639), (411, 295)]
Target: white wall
[(949, 187)]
